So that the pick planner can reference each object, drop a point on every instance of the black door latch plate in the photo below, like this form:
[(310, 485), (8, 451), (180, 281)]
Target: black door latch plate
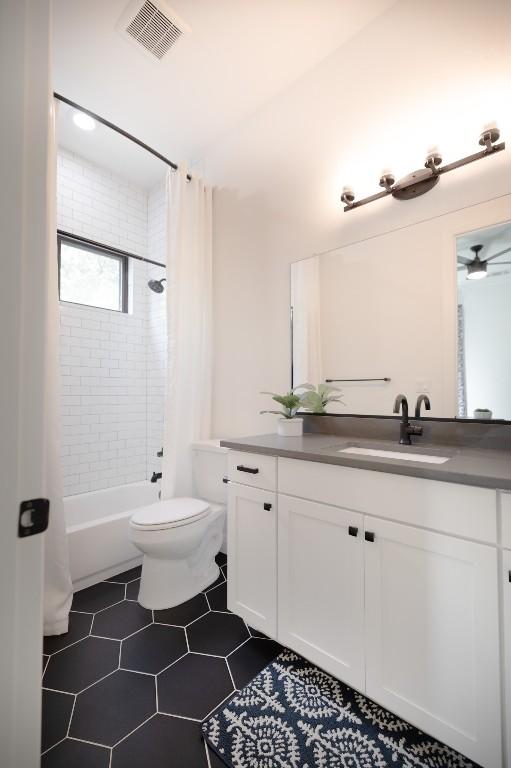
[(33, 517)]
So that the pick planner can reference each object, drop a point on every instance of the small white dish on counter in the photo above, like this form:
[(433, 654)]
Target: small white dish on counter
[(402, 456)]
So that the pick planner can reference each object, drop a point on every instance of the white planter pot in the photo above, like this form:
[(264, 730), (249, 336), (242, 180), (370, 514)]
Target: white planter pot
[(290, 427)]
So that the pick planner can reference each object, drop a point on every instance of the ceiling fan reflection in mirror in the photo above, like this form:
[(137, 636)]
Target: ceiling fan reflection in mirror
[(477, 267)]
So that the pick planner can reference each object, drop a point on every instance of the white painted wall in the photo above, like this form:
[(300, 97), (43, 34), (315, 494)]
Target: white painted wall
[(278, 176), (487, 313), (112, 414)]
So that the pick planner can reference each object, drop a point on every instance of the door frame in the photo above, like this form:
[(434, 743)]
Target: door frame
[(25, 89)]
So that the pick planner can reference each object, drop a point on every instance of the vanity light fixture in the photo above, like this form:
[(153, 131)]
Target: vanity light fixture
[(421, 181)]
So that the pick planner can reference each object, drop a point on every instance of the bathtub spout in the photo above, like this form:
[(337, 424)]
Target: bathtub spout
[(156, 476)]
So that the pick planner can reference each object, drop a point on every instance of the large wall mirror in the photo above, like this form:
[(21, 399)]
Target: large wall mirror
[(410, 311)]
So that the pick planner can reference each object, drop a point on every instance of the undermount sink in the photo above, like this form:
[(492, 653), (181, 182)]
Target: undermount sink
[(401, 455)]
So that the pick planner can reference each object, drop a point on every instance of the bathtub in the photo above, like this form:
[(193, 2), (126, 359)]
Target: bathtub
[(97, 531)]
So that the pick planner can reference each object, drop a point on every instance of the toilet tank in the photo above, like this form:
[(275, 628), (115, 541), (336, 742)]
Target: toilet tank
[(209, 461)]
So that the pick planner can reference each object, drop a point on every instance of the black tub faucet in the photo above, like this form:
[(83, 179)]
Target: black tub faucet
[(427, 405), (156, 476), (405, 428)]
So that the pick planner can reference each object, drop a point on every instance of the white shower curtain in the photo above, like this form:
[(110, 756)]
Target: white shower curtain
[(58, 592), (189, 320)]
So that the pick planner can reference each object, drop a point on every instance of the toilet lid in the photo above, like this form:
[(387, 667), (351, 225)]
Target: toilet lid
[(170, 512)]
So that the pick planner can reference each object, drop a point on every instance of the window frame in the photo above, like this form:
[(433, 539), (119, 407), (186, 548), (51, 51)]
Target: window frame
[(103, 250)]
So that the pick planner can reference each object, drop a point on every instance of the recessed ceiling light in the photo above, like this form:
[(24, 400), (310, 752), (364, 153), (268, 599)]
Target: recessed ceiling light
[(83, 121)]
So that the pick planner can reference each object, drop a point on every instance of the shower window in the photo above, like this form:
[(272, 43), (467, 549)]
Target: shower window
[(94, 275)]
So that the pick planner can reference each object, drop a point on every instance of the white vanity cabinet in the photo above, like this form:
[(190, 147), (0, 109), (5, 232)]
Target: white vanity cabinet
[(252, 543), (388, 582), (432, 643), (321, 586)]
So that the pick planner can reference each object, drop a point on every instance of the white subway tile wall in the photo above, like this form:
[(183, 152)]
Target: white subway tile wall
[(112, 364)]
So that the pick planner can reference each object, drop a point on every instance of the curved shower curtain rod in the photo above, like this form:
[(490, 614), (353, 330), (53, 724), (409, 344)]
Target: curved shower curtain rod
[(121, 131)]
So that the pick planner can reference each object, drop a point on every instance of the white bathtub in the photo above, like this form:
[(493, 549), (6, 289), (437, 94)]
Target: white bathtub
[(97, 529)]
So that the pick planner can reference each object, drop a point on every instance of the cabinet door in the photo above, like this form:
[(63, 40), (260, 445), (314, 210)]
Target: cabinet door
[(252, 553), (321, 586), (506, 593), (432, 639)]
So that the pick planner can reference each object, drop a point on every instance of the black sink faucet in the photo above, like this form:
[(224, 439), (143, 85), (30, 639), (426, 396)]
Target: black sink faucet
[(405, 428), (427, 405)]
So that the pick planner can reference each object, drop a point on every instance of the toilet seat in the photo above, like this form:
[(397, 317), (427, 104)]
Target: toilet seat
[(169, 513)]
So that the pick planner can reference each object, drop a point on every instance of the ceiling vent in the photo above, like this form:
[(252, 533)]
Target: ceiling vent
[(152, 27)]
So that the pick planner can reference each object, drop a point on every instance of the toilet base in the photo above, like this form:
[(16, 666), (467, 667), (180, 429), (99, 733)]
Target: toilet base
[(165, 584)]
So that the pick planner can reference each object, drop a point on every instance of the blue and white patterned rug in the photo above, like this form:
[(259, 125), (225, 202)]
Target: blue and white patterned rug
[(293, 715)]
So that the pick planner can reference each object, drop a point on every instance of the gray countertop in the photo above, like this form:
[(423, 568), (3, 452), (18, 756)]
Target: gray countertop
[(481, 467)]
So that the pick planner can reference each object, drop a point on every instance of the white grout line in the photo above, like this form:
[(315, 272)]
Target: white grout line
[(237, 647), (207, 753), (186, 638), (138, 672), (181, 717), (72, 644), (212, 655), (172, 663), (86, 613), (46, 665), (71, 716), (100, 680), (101, 610), (52, 746), (92, 743), (230, 674), (57, 690), (134, 729)]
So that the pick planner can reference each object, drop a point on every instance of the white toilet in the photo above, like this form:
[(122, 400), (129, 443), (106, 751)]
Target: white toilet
[(180, 537)]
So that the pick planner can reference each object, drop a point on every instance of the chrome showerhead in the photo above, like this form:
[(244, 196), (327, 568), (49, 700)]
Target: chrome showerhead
[(157, 285)]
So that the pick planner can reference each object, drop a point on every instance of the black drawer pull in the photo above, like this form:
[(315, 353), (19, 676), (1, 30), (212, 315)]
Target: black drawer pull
[(267, 506), (369, 536), (509, 576), (353, 530), (250, 470)]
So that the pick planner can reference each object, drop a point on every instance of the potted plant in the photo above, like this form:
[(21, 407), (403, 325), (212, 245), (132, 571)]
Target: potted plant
[(288, 425), (316, 400)]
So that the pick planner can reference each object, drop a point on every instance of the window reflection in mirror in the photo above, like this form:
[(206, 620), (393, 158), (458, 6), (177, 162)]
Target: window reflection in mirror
[(484, 323)]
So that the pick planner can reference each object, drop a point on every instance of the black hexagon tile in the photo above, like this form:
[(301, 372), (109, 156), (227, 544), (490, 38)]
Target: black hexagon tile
[(217, 598), (127, 576), (153, 648), (121, 620), (162, 742), (57, 708), (97, 597), (246, 662), (132, 590), (76, 754), (114, 707), (183, 614), (81, 664), (221, 559), (79, 627), (217, 633), (193, 686)]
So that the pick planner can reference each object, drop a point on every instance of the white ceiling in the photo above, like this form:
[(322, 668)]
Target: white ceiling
[(238, 56)]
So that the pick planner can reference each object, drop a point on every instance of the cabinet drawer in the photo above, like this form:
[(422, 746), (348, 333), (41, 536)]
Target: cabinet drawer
[(253, 469), (461, 510), (505, 511)]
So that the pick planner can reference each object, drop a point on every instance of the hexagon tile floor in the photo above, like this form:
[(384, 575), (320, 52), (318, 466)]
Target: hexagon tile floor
[(127, 687)]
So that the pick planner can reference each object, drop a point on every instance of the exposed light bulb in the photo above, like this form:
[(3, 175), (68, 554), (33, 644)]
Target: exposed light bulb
[(83, 121)]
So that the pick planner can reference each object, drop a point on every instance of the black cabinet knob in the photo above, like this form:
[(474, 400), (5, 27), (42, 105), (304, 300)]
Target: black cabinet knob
[(250, 470), (369, 536), (267, 506), (353, 530)]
